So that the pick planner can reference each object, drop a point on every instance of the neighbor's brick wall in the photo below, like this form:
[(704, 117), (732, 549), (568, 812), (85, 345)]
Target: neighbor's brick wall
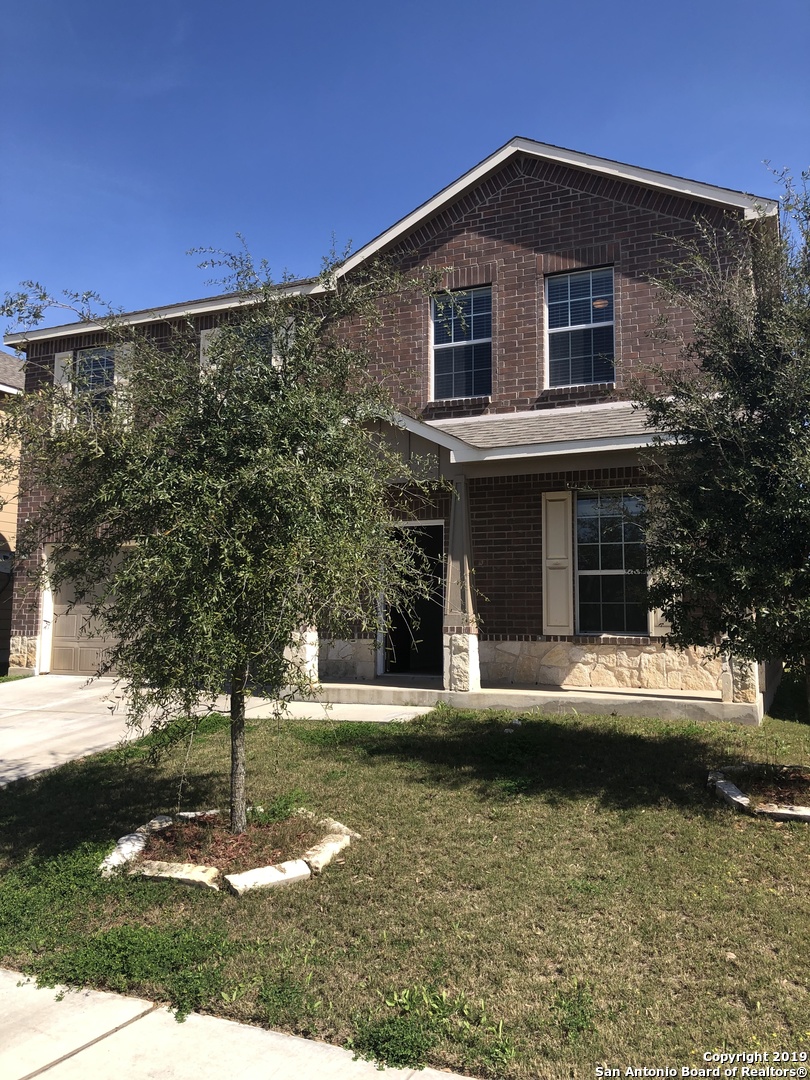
[(507, 541), (528, 220)]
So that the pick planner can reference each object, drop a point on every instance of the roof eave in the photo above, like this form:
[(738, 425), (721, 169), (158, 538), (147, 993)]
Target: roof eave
[(138, 318), (752, 207), (462, 452)]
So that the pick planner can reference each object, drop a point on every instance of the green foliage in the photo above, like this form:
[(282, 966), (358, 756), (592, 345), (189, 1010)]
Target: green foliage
[(207, 512), (281, 808), (574, 1011), (124, 958), (287, 1000), (729, 508), (424, 1017)]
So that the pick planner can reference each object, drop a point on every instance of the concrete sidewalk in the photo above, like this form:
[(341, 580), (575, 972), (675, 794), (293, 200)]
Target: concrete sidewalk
[(90, 1035), (50, 719)]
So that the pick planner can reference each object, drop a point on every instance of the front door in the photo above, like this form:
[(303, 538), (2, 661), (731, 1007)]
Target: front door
[(413, 644)]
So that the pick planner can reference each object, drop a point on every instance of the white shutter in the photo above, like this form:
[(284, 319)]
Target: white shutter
[(558, 563), (659, 627), (206, 339), (63, 369)]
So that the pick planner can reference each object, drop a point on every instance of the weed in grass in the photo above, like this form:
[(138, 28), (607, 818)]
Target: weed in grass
[(128, 958), (332, 735), (281, 808), (511, 787), (395, 1042), (334, 775), (574, 1011), (286, 1000), (428, 1017)]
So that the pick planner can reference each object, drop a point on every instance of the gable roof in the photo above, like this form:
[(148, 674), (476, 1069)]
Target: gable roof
[(752, 206), (540, 433)]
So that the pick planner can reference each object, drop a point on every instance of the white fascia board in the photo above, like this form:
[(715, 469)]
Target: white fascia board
[(4, 389), (431, 434), (751, 206), (551, 449), (138, 318), (461, 451)]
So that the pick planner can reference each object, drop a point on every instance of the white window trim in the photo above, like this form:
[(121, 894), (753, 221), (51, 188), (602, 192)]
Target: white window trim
[(580, 326), (455, 344), (652, 616)]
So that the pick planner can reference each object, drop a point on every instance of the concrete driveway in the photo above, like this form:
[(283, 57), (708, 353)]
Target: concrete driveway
[(50, 719)]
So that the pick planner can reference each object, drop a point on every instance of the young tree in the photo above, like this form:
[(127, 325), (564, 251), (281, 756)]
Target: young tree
[(728, 527), (210, 512)]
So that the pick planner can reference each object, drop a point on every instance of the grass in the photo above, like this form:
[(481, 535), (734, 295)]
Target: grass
[(523, 903)]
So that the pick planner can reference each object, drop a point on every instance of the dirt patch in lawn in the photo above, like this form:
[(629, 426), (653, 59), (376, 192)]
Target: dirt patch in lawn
[(207, 841), (785, 787)]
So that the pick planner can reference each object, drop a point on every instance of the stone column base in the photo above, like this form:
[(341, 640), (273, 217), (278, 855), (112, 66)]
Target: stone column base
[(22, 657), (303, 654), (740, 681), (462, 670)]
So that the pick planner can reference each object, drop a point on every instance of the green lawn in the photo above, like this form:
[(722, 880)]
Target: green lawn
[(522, 904)]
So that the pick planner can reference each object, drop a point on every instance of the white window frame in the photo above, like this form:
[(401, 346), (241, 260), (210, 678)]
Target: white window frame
[(651, 616), (457, 344), (549, 333)]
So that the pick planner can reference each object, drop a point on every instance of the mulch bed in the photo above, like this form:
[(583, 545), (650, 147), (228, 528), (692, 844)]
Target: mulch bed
[(207, 841), (789, 787)]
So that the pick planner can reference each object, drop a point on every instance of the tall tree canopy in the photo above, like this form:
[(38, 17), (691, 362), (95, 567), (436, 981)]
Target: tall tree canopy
[(729, 507), (209, 512)]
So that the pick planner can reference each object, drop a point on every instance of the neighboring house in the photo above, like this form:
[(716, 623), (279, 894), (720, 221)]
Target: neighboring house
[(12, 381), (520, 390)]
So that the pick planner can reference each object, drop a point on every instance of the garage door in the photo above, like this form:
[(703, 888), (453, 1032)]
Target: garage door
[(76, 649)]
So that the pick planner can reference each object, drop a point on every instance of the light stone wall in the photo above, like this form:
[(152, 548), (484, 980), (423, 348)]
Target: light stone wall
[(745, 681), (563, 663), (461, 665), (342, 660), (303, 654), (22, 653)]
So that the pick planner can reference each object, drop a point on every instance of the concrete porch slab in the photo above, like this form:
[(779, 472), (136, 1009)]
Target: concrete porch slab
[(669, 705)]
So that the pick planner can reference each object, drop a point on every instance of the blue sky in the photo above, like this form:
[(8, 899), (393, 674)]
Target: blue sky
[(132, 132)]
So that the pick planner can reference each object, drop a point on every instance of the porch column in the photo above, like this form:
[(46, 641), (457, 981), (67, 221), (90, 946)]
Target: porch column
[(740, 681), (462, 670), (303, 653)]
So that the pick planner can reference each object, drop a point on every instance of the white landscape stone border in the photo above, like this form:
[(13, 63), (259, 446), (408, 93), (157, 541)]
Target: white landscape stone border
[(726, 789), (312, 862)]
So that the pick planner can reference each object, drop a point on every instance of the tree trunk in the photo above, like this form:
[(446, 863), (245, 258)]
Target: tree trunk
[(238, 770), (807, 680)]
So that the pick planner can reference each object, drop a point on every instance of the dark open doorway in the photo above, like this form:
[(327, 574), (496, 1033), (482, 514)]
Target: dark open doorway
[(414, 645)]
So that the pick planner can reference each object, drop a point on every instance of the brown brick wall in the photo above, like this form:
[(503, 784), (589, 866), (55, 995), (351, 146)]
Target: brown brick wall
[(528, 220), (506, 524)]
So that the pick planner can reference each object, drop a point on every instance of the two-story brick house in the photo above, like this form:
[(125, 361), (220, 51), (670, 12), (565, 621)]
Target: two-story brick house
[(519, 388)]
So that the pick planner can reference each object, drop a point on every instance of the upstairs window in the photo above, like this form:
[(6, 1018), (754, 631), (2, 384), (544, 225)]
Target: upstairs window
[(611, 565), (94, 372), (580, 327), (462, 344)]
